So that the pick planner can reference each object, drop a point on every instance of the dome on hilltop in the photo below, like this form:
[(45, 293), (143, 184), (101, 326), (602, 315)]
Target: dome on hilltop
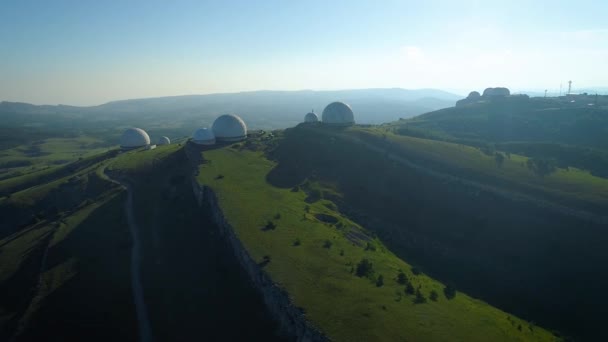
[(134, 138), (311, 117), (163, 141), (203, 136), (498, 91), (474, 95), (338, 113), (229, 127)]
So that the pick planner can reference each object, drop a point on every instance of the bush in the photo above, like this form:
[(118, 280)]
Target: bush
[(402, 278), (370, 247), (270, 226), (434, 296), (297, 242), (409, 289), (364, 268), (380, 281), (449, 292), (419, 297), (341, 252), (277, 216), (541, 167), (219, 176), (327, 244)]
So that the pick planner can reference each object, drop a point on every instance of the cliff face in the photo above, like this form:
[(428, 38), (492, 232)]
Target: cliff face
[(291, 319)]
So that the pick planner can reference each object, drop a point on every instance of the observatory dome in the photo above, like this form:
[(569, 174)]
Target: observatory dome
[(164, 141), (311, 117), (203, 136), (229, 127), (474, 95), (133, 138), (338, 113), (498, 91)]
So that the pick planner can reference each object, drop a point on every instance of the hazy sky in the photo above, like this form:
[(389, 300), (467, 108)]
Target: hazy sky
[(89, 52)]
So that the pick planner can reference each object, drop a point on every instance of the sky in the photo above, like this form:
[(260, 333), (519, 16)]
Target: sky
[(86, 52)]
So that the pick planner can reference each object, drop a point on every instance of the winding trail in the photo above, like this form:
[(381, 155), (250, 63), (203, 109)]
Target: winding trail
[(145, 331)]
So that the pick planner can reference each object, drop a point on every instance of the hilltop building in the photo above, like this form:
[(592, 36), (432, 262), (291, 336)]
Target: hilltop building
[(229, 127), (203, 136), (339, 114), (163, 141), (311, 117), (134, 138), (498, 91)]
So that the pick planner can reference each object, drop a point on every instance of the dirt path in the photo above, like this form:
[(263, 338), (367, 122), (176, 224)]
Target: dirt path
[(145, 331)]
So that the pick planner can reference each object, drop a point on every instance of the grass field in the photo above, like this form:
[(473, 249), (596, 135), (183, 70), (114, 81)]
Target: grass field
[(43, 154), (564, 185), (313, 258)]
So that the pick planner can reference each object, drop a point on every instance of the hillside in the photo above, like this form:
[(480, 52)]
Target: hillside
[(291, 216), (66, 255), (568, 131)]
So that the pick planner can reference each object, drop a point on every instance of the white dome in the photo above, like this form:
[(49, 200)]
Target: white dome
[(498, 91), (229, 127), (133, 138), (311, 117), (203, 136), (338, 113), (164, 141)]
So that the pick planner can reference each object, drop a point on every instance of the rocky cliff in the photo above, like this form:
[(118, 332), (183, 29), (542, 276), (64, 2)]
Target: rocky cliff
[(291, 319)]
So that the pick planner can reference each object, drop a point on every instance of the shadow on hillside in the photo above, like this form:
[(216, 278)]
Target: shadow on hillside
[(96, 303)]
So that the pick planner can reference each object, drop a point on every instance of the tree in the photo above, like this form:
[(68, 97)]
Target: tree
[(419, 297), (380, 281), (402, 278), (364, 268), (449, 292), (434, 296), (409, 289)]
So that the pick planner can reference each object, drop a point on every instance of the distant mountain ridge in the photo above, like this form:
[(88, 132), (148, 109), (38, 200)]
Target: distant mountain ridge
[(265, 108)]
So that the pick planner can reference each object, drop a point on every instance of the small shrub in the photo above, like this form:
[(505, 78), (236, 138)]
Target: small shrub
[(265, 260), (409, 289), (219, 177), (433, 296), (277, 216), (297, 242), (449, 292), (270, 226), (380, 281), (419, 297), (370, 247), (364, 268), (341, 252), (327, 244), (402, 278)]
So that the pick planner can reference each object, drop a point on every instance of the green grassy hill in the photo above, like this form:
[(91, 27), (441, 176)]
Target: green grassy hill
[(554, 129), (64, 255), (291, 217)]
